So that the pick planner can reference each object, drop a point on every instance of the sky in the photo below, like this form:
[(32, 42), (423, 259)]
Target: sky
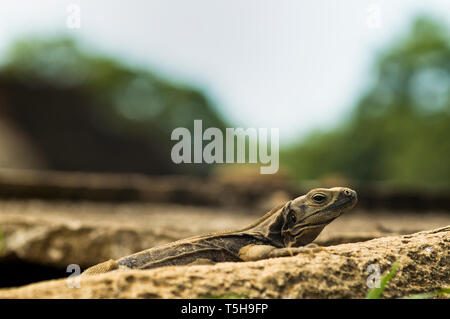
[(293, 65)]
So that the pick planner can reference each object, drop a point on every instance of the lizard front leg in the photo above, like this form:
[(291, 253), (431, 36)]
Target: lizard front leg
[(258, 252), (291, 251)]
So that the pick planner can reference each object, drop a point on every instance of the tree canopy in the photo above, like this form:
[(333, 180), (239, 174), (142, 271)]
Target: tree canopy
[(399, 129)]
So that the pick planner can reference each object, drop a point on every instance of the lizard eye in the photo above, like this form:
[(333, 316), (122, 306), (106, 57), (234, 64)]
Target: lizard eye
[(319, 198)]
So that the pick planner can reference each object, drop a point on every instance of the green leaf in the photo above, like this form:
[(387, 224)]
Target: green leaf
[(436, 293), (375, 292)]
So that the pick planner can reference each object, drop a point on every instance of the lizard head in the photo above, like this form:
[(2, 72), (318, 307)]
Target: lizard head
[(304, 217)]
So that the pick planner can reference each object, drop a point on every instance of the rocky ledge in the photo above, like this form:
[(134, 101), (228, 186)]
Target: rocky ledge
[(341, 271)]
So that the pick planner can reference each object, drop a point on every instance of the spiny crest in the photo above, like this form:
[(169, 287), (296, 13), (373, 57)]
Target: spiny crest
[(264, 217)]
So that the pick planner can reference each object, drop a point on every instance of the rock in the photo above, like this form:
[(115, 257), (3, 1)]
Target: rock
[(57, 234), (339, 272)]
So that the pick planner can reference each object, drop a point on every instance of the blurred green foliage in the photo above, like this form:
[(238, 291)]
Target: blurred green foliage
[(123, 102), (400, 127), (137, 97)]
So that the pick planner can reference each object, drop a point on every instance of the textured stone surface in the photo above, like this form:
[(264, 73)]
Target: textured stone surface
[(338, 272), (85, 233), (59, 234)]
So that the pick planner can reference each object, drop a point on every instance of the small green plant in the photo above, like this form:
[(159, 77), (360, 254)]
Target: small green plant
[(375, 292), (436, 293)]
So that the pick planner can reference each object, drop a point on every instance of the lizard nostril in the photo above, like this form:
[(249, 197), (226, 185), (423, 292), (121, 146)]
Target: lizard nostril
[(348, 192)]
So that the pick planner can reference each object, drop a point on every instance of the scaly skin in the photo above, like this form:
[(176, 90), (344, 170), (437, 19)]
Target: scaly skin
[(284, 231)]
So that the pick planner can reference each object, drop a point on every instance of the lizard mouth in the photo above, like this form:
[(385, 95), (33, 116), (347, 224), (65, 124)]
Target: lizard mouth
[(339, 207), (344, 205)]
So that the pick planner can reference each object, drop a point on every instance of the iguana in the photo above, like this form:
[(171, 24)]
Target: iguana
[(284, 231)]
